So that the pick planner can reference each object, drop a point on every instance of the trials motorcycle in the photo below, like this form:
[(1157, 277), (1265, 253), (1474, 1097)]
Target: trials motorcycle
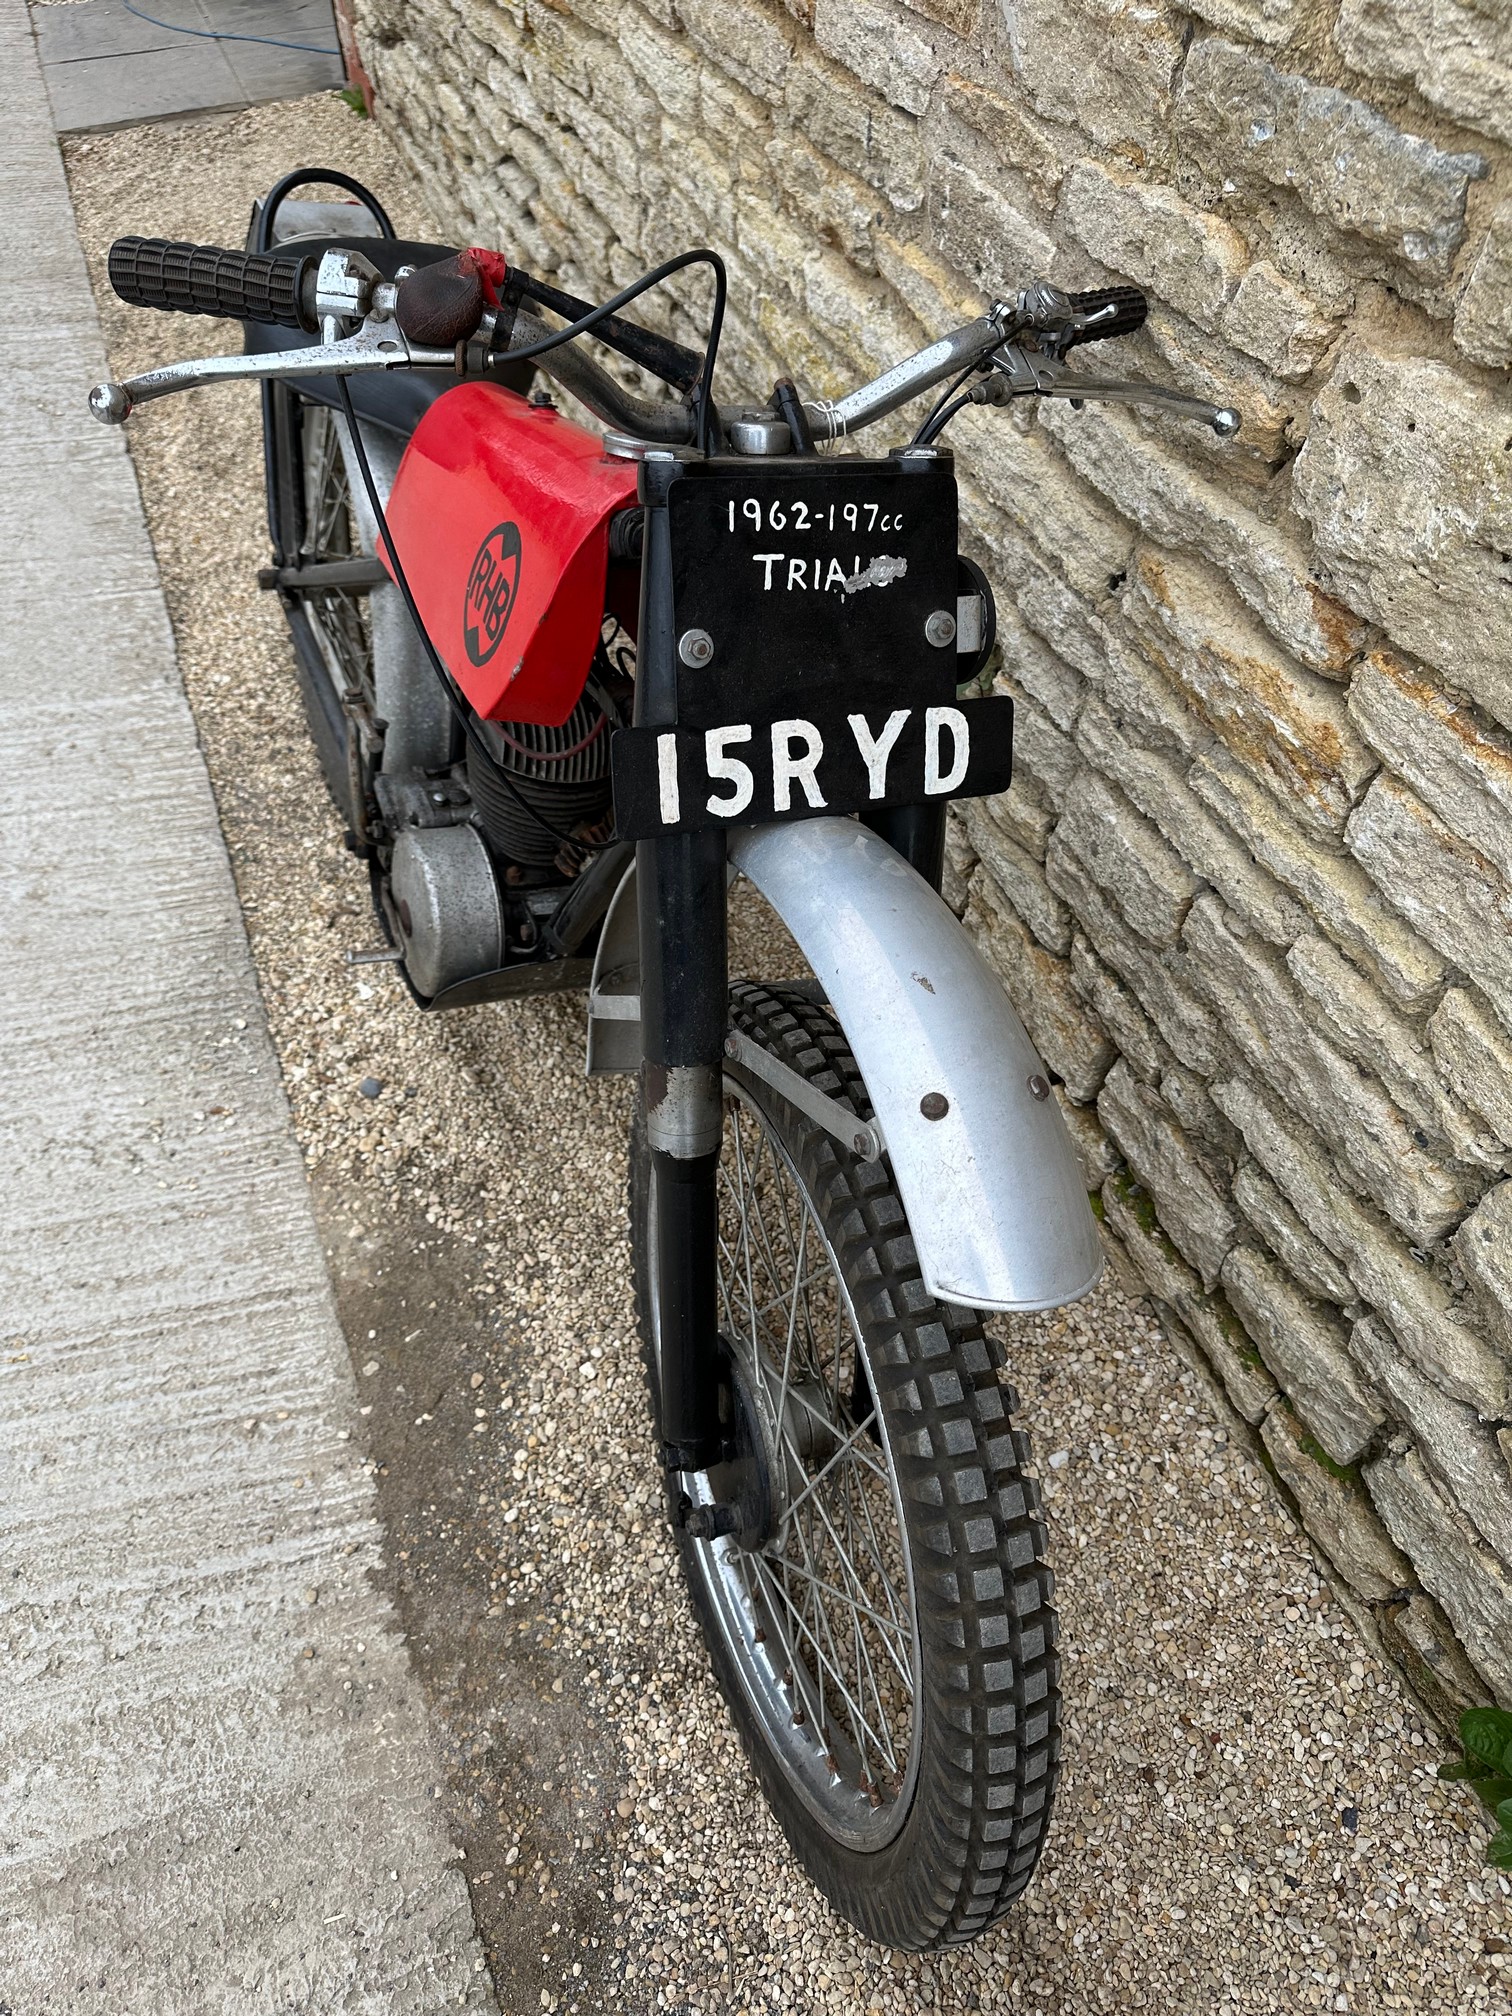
[(566, 687)]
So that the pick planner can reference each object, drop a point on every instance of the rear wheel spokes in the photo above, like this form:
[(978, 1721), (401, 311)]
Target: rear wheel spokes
[(338, 616)]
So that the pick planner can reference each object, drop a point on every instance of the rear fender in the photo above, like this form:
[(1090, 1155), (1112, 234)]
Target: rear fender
[(993, 1190)]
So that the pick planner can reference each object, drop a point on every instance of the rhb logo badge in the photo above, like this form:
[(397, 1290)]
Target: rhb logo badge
[(492, 583)]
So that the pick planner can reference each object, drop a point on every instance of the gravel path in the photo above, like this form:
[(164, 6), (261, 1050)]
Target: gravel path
[(1249, 1818)]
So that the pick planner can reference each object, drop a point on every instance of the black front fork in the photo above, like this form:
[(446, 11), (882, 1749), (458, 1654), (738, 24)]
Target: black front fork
[(684, 1010)]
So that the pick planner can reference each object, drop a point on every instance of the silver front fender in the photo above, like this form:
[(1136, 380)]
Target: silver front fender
[(993, 1190)]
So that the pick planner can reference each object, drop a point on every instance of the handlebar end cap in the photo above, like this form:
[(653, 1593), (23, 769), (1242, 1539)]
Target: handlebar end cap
[(110, 403)]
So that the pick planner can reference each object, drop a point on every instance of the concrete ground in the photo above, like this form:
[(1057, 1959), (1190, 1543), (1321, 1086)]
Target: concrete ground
[(1249, 1818), (218, 1788), (106, 67)]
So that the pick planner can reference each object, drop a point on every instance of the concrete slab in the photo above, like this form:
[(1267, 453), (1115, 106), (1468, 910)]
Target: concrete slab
[(214, 1769), (106, 67)]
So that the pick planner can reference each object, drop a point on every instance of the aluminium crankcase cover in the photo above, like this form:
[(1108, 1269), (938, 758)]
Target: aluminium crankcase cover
[(447, 897)]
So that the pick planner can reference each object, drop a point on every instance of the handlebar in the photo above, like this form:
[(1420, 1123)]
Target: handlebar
[(204, 280), (1015, 349)]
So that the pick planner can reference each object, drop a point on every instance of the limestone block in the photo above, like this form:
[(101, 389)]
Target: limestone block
[(1172, 350), (961, 17), (1025, 815), (894, 55), (1024, 474), (1130, 1212), (1094, 1151), (1160, 979), (1019, 877), (1250, 122), (960, 860), (1455, 759), (1058, 687), (1116, 1006), (1278, 323), (558, 46), (1285, 1042), (752, 39), (1191, 1102), (1340, 897), (1408, 1294), (663, 63), (1142, 874), (842, 212), (930, 290), (1458, 53), (1144, 702), (1303, 1256), (1069, 1038), (1419, 1638), (1309, 1353), (1269, 21), (1365, 1026), (1484, 1246), (1158, 491), (728, 111), (1157, 786), (1226, 1346), (1407, 484), (1445, 889), (835, 111), (1483, 320), (994, 240), (1473, 1050), (1474, 1588), (1145, 232), (1335, 1509), (1281, 721), (1463, 1452), (1155, 1145), (1023, 142), (1060, 615), (1105, 66), (1050, 758)]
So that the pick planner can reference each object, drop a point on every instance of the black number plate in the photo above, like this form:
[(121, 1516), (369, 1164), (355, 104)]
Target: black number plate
[(814, 583), (831, 759)]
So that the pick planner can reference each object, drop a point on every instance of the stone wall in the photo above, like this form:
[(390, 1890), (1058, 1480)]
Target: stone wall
[(1251, 890)]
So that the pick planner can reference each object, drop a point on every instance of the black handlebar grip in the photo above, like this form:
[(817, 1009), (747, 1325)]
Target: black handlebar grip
[(1128, 303), (204, 280)]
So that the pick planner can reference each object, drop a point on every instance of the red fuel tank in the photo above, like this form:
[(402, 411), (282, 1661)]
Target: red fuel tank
[(500, 514)]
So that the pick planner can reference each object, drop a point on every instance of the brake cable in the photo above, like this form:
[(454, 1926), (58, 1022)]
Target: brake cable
[(585, 324)]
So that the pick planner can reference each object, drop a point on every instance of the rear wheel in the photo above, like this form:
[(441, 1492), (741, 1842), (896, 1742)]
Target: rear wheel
[(884, 1637), (332, 627)]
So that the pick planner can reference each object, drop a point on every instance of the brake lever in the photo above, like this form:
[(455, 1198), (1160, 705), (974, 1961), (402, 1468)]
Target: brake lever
[(1020, 372), (1225, 421), (378, 344)]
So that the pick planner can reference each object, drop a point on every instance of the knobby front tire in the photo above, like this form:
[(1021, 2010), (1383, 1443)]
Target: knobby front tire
[(888, 1655)]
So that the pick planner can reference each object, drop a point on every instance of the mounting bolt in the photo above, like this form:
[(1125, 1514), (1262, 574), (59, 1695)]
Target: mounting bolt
[(941, 628), (1039, 1086), (695, 648), (934, 1105)]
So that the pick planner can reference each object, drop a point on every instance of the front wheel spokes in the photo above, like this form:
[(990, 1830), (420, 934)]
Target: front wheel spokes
[(861, 1729)]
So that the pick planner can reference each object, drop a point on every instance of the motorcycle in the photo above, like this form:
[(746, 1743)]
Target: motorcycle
[(566, 686)]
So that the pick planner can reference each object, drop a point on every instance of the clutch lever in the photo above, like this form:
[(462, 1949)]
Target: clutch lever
[(378, 344)]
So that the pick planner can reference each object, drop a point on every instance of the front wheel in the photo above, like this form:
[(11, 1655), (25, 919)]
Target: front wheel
[(884, 1636)]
